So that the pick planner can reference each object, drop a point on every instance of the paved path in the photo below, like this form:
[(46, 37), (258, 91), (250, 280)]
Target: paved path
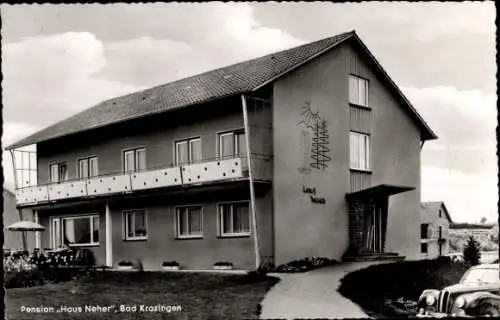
[(312, 295)]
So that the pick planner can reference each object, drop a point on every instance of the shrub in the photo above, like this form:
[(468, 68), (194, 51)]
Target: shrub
[(304, 265), (223, 263), (472, 252), (124, 263), (170, 264)]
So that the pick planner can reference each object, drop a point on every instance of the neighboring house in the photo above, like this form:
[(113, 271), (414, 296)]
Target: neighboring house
[(477, 230), (434, 230), (316, 144), (13, 239)]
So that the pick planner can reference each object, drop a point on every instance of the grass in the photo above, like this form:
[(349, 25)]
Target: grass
[(371, 287), (200, 296)]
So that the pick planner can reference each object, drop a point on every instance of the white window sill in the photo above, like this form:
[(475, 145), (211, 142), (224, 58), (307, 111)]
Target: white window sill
[(235, 235), (95, 244), (179, 237), (361, 170), (354, 104), (136, 238)]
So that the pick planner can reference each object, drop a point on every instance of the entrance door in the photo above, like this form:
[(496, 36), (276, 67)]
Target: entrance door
[(373, 235)]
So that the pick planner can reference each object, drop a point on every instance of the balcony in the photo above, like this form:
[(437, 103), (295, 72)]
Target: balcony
[(208, 171)]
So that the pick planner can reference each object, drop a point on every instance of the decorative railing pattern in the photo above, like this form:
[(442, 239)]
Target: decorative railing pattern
[(187, 174)]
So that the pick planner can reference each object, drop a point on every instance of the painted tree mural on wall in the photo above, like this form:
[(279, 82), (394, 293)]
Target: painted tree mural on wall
[(316, 149)]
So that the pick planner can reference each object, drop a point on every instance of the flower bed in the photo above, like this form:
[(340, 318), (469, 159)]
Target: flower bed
[(304, 265), (23, 269)]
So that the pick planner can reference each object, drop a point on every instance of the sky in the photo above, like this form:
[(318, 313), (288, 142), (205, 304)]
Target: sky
[(58, 60)]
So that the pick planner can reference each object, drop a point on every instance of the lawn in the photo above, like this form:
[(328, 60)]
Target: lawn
[(371, 287), (182, 295)]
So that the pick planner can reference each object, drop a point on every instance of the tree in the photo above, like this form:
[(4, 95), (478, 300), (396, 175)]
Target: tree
[(472, 251), (483, 220)]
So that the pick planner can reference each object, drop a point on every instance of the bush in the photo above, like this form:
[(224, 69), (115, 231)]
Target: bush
[(125, 263), (399, 281), (170, 264), (304, 265), (23, 278), (472, 252)]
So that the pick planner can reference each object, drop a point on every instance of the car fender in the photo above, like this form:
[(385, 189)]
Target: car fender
[(476, 298)]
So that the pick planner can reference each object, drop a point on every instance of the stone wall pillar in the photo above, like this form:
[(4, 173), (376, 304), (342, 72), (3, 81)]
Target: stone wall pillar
[(356, 222)]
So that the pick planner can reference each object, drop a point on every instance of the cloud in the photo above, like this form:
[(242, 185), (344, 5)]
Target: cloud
[(469, 197), (236, 37), (52, 77)]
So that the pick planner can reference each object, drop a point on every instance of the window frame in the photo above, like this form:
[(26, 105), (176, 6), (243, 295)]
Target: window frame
[(177, 233), (135, 152), (125, 226), (359, 79), (59, 175), (220, 223), (426, 231), (426, 246), (88, 160), (61, 220), (235, 143), (368, 151), (188, 142)]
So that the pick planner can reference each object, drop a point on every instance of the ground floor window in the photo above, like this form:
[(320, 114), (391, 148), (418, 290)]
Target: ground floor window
[(76, 230), (189, 222), (234, 219), (135, 225), (423, 248)]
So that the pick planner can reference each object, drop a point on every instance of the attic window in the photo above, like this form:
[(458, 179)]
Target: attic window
[(440, 213), (227, 76)]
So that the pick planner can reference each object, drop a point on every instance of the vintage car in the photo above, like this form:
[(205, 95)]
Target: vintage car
[(477, 294)]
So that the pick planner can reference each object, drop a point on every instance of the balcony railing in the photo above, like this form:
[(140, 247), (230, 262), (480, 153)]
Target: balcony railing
[(206, 171)]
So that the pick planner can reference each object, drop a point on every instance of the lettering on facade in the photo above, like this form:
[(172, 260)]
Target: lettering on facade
[(316, 148), (311, 191)]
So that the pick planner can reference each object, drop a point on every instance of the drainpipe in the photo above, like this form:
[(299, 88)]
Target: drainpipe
[(109, 238), (250, 178)]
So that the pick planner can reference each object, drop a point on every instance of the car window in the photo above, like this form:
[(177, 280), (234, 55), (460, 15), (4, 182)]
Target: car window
[(481, 275)]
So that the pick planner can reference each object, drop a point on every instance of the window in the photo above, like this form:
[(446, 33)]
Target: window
[(359, 146), (189, 222), (423, 231), (134, 160), (440, 232), (88, 168), (135, 225), (234, 219), (188, 151), (55, 234), (79, 230), (58, 172), (358, 91), (440, 213), (423, 248), (232, 144)]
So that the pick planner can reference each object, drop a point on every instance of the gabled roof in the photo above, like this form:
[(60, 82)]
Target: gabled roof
[(429, 211), (232, 80)]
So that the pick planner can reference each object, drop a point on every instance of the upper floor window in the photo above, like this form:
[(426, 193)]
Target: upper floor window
[(188, 151), (234, 219), (359, 147), (424, 227), (440, 213), (58, 172), (87, 168), (440, 232), (134, 160), (232, 144), (358, 90), (135, 224), (189, 222)]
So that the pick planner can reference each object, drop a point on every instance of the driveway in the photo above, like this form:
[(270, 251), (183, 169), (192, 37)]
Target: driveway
[(313, 294)]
